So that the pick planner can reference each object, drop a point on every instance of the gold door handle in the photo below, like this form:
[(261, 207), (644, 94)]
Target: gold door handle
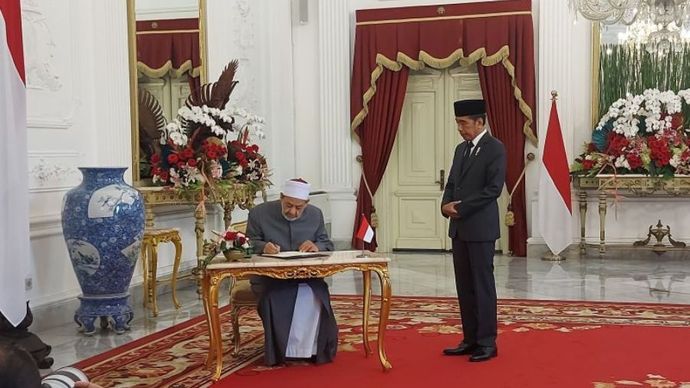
[(441, 179)]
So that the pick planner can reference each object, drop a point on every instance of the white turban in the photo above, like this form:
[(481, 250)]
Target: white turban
[(296, 189)]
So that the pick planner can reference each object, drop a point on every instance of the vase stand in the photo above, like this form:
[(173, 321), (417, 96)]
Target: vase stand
[(113, 311)]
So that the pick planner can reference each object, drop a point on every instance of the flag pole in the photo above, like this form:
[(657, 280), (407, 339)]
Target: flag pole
[(362, 255), (549, 255), (363, 221)]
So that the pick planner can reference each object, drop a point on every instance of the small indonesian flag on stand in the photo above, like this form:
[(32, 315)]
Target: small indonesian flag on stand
[(365, 231)]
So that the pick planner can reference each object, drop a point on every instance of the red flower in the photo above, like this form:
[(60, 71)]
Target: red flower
[(617, 143), (659, 150), (239, 155), (173, 158), (587, 164), (164, 176), (191, 162), (155, 158), (187, 154), (230, 236), (212, 154), (241, 240), (180, 164), (634, 161)]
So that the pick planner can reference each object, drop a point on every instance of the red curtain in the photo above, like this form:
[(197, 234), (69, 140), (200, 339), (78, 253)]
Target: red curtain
[(377, 135), (506, 124), (497, 34), (170, 46)]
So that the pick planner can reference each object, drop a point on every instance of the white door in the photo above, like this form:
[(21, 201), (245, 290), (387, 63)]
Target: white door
[(408, 201), (417, 162)]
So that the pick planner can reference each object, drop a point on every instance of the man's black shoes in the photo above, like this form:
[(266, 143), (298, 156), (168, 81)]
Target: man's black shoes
[(462, 349), (484, 353)]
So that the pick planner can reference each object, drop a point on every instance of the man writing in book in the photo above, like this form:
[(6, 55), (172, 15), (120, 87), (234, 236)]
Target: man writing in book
[(297, 316)]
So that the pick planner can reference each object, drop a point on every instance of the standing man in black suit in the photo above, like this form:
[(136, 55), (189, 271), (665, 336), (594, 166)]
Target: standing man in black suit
[(475, 182)]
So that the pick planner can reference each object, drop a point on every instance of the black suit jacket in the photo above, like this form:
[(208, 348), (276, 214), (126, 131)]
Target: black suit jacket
[(477, 185)]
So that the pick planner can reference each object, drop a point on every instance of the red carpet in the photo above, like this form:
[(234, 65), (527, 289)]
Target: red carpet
[(541, 344)]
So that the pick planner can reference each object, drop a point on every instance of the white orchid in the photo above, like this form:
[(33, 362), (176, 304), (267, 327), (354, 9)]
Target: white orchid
[(627, 113)]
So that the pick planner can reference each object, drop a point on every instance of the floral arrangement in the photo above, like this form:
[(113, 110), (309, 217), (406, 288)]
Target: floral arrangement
[(640, 134), (209, 144)]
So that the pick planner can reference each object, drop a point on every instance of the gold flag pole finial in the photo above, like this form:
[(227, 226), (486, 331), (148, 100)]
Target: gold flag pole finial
[(554, 95)]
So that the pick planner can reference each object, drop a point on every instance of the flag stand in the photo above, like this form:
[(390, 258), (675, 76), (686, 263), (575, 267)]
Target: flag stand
[(550, 256)]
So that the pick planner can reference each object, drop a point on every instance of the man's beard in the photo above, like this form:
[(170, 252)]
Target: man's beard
[(290, 219)]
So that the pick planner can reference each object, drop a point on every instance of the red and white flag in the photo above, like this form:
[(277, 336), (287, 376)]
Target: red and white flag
[(14, 192), (365, 231), (555, 206)]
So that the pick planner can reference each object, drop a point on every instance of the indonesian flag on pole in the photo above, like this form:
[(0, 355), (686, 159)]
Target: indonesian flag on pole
[(365, 231), (555, 206), (14, 192)]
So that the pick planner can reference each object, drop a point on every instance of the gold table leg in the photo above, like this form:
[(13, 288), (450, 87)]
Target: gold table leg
[(176, 267), (583, 221), (217, 346), (602, 222), (145, 269), (383, 316), (199, 227), (366, 282), (153, 254), (209, 321)]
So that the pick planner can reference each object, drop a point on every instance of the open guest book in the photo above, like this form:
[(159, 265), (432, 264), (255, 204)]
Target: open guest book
[(296, 255)]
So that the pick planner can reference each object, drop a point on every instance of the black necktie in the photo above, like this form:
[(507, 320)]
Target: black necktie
[(466, 156)]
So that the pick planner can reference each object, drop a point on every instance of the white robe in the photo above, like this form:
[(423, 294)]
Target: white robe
[(304, 329)]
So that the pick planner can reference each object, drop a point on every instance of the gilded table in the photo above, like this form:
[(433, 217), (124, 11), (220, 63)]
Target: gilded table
[(320, 267), (610, 185)]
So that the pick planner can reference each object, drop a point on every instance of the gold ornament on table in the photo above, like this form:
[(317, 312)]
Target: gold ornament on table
[(659, 232)]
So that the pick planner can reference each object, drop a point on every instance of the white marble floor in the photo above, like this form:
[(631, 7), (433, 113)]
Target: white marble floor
[(628, 276)]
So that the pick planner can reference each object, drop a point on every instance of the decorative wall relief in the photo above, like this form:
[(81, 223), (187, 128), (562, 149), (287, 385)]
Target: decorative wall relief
[(51, 172), (40, 46)]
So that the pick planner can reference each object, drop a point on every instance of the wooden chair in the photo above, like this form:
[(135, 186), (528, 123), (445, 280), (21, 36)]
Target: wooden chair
[(149, 255), (241, 296)]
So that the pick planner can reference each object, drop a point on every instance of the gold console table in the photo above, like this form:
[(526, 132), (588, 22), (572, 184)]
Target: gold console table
[(635, 185), (241, 196)]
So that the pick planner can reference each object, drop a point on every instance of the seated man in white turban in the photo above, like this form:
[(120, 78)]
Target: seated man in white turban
[(297, 316)]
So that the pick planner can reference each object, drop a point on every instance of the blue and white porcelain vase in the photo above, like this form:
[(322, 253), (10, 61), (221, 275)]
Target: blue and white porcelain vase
[(103, 225)]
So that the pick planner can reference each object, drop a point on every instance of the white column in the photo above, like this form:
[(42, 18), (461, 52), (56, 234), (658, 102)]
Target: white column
[(334, 93), (112, 125), (334, 90)]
